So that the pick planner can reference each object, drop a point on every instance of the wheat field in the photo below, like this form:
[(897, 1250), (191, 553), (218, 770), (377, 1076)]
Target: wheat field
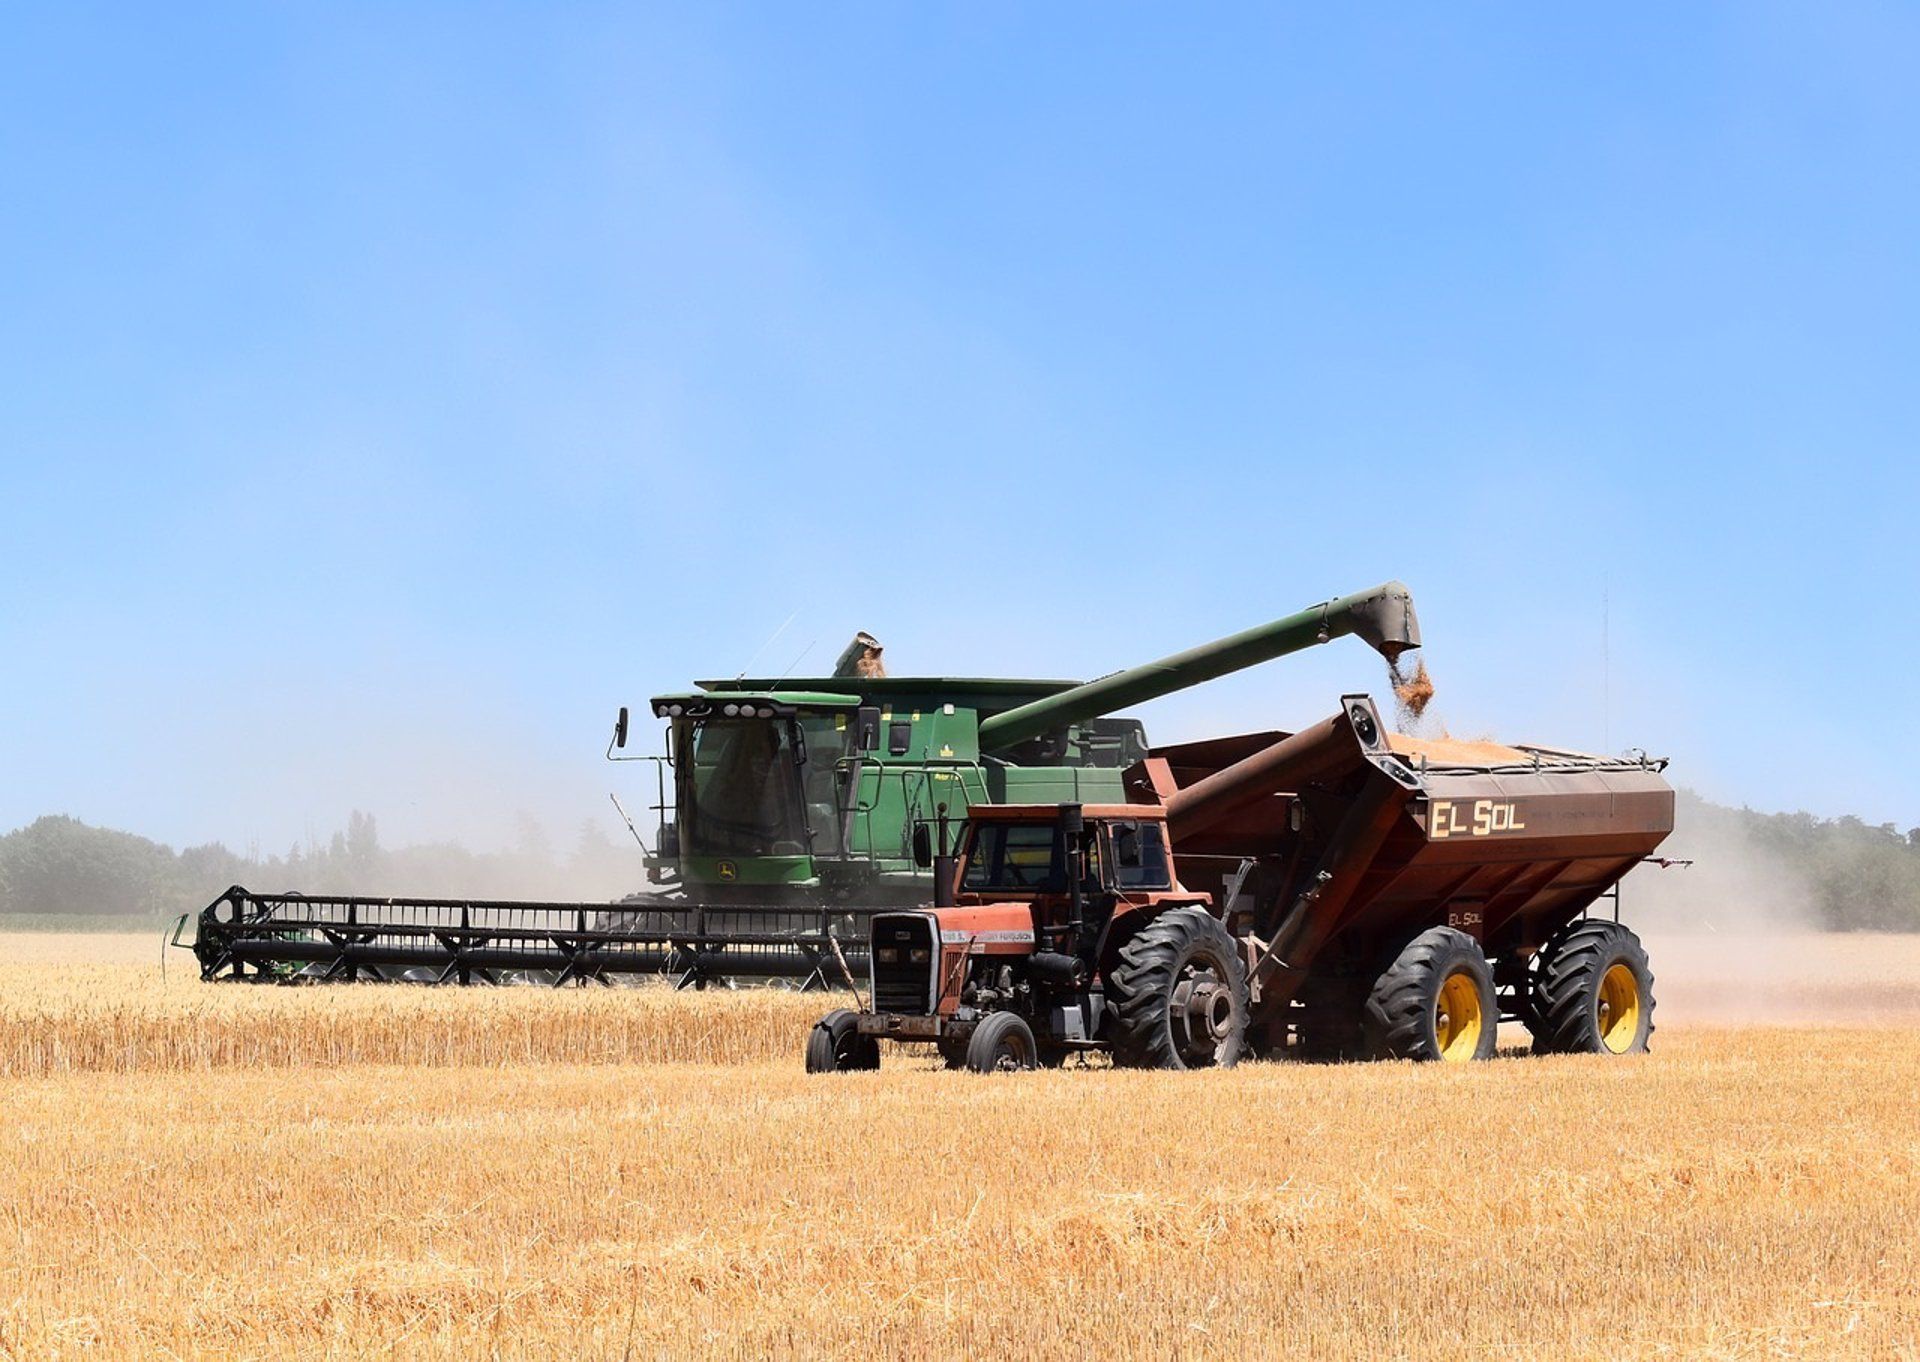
[(212, 1171)]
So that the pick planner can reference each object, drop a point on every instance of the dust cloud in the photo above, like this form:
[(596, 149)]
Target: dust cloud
[(1734, 939)]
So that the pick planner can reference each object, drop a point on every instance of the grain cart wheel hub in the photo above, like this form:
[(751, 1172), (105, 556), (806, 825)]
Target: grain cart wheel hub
[(1457, 1019), (1619, 1009)]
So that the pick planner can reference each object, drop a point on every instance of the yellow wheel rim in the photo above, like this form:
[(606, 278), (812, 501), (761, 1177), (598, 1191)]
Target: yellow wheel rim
[(1618, 1009), (1457, 1018)]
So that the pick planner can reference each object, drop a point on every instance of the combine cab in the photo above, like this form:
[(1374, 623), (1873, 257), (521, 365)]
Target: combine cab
[(1378, 896)]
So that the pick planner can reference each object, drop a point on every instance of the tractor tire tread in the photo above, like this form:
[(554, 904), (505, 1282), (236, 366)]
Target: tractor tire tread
[(1144, 979)]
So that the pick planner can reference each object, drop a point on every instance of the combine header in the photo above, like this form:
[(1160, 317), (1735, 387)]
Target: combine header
[(1379, 896), (787, 812)]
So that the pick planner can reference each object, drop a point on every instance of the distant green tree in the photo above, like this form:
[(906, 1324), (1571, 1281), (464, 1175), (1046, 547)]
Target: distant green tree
[(58, 864)]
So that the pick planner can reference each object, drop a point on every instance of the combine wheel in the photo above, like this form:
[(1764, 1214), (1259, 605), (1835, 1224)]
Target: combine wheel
[(1434, 1002), (1180, 994), (1002, 1043), (1593, 994), (837, 1047)]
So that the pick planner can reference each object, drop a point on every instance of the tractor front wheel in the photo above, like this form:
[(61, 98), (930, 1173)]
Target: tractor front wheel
[(1592, 992), (836, 1045), (1435, 1001), (1180, 994), (1002, 1043)]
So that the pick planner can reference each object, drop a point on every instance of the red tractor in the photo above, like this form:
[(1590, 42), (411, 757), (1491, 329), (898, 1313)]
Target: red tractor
[(1070, 931), (1380, 897)]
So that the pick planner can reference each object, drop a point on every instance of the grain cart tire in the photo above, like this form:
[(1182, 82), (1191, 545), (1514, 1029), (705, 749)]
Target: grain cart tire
[(1593, 992), (1435, 1001), (837, 1047), (1002, 1043), (1180, 995)]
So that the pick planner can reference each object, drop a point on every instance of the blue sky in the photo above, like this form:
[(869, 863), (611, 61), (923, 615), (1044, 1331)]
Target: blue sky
[(386, 394)]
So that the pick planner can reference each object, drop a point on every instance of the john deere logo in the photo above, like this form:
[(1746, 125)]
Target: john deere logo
[(729, 871)]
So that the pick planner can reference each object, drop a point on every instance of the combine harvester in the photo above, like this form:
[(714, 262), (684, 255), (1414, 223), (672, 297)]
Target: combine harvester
[(787, 818), (1382, 897)]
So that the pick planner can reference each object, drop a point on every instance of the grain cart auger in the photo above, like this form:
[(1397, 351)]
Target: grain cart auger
[(786, 817), (1381, 896)]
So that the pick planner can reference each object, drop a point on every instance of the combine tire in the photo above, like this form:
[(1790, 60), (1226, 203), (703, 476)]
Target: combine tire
[(1180, 993), (1593, 993), (836, 1047), (1434, 1002), (1002, 1043)]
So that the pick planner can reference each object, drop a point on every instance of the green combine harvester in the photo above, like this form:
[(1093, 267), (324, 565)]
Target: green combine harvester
[(789, 812)]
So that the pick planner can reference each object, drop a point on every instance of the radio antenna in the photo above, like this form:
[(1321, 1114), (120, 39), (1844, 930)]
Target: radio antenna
[(768, 644), (791, 665)]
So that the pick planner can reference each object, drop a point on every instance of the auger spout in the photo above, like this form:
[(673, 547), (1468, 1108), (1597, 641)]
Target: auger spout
[(1383, 617)]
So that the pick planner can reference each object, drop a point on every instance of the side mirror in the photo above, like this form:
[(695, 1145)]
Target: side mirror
[(922, 845), (866, 728), (1126, 846), (620, 728)]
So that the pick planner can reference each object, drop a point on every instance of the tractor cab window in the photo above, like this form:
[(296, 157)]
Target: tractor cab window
[(1022, 858), (1140, 856)]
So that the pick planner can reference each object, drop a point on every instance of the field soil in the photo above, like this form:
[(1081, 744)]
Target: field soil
[(208, 1170)]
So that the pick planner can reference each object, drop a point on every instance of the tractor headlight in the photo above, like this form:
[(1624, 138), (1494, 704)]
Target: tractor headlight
[(920, 955), (889, 955)]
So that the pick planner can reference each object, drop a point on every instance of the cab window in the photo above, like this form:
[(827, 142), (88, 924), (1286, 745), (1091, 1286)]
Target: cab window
[(1140, 856)]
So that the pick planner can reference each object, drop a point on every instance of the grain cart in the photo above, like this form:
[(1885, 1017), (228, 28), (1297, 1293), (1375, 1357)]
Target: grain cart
[(1378, 896), (786, 810)]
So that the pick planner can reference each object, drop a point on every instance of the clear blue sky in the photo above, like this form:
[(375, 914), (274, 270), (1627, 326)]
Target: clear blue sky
[(388, 393)]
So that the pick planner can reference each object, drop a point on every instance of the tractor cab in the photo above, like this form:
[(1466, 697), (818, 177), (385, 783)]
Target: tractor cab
[(1032, 940)]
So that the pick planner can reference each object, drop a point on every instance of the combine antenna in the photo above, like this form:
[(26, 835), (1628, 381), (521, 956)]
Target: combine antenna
[(791, 665), (768, 644), (628, 821)]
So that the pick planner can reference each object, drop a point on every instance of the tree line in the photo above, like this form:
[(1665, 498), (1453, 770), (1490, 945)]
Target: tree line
[(61, 866), (1842, 874)]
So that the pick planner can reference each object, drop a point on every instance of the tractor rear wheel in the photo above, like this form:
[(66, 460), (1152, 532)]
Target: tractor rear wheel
[(836, 1045), (1593, 992), (1179, 992), (1002, 1043), (1435, 1001)]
